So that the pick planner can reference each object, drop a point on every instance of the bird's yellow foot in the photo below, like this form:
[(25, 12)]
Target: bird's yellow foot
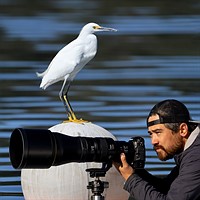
[(72, 118), (79, 121)]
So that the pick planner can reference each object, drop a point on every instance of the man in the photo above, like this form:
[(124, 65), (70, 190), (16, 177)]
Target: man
[(173, 135)]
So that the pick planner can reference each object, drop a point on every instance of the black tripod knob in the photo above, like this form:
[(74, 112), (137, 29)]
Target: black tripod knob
[(97, 186)]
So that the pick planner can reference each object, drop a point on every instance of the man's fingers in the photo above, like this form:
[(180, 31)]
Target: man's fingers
[(123, 159), (126, 170)]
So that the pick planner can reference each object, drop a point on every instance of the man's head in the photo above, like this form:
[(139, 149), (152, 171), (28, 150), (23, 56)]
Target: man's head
[(169, 125)]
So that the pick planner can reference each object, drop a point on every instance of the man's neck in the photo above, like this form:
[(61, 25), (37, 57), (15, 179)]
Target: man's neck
[(192, 137)]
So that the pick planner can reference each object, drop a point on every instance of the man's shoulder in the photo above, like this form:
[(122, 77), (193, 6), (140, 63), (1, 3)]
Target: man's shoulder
[(191, 155)]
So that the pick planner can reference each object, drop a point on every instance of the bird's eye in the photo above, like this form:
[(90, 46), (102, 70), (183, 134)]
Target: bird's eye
[(95, 27)]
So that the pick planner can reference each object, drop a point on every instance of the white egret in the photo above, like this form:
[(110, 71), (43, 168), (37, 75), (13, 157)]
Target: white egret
[(70, 60)]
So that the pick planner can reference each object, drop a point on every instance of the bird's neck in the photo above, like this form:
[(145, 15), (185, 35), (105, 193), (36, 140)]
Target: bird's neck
[(84, 34)]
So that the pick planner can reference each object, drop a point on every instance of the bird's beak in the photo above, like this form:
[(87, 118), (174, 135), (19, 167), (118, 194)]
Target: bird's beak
[(106, 29)]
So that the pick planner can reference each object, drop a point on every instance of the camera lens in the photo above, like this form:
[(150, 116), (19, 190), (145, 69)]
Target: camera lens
[(35, 148)]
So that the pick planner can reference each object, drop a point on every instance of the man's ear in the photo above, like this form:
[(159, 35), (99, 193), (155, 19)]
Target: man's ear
[(184, 130)]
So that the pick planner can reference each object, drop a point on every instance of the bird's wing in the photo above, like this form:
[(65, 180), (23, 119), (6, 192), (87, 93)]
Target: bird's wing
[(67, 59), (63, 64)]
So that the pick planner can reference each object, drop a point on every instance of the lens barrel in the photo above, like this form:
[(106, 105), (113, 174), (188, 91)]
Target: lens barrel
[(32, 148), (36, 148)]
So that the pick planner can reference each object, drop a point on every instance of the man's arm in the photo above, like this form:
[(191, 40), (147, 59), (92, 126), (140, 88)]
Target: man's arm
[(160, 183), (184, 186), (143, 178)]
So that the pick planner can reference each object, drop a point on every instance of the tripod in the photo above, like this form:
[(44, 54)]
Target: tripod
[(97, 186)]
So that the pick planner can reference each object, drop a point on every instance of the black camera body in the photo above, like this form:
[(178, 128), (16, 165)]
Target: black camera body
[(137, 159), (38, 148)]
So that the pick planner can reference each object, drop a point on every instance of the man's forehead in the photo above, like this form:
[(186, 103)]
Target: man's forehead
[(154, 123), (155, 128)]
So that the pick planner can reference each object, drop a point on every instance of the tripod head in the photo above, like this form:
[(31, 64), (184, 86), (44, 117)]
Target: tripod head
[(97, 186)]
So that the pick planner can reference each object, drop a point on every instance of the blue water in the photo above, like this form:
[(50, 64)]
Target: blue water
[(155, 55)]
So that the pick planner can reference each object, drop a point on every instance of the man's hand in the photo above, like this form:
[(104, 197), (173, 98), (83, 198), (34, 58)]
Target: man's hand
[(124, 168)]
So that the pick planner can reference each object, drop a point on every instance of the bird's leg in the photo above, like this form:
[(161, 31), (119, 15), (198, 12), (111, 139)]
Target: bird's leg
[(71, 115), (63, 96)]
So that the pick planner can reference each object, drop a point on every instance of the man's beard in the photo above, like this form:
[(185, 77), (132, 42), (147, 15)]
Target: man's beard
[(162, 153), (170, 152)]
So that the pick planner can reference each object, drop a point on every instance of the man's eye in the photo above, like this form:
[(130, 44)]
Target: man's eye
[(158, 133)]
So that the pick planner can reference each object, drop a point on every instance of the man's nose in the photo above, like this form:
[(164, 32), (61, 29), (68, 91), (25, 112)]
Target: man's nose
[(154, 139)]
